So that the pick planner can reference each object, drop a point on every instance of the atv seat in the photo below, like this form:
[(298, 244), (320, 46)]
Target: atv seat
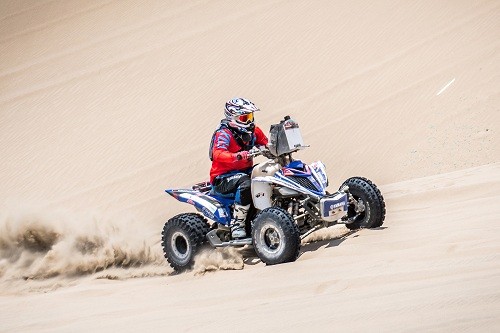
[(225, 199)]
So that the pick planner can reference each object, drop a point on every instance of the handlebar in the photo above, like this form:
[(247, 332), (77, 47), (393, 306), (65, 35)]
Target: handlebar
[(254, 152), (262, 150)]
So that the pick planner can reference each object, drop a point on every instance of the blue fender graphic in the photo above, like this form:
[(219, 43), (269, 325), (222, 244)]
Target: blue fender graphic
[(205, 204)]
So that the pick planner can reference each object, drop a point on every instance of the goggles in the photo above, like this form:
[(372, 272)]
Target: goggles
[(246, 118)]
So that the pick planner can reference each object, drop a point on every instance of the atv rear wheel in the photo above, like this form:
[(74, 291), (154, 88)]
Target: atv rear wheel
[(370, 210), (182, 237), (276, 237)]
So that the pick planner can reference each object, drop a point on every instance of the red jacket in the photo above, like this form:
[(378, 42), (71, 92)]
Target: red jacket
[(225, 146)]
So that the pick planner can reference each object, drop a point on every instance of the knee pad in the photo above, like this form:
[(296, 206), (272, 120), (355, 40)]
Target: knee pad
[(244, 193)]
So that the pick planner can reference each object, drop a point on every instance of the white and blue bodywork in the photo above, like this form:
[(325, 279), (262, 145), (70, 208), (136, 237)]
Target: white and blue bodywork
[(294, 179), (297, 178), (216, 208)]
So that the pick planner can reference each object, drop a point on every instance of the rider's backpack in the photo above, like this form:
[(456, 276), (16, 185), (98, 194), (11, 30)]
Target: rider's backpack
[(210, 150), (236, 136)]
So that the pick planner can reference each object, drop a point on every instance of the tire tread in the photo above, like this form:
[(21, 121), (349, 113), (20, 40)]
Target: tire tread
[(374, 196), (195, 226), (290, 229)]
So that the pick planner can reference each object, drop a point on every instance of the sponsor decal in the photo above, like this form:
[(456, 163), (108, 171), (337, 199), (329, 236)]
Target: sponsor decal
[(222, 212), (336, 205), (233, 177), (290, 124), (207, 213)]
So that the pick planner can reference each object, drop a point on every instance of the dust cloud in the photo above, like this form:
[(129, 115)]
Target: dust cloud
[(38, 244), (209, 260)]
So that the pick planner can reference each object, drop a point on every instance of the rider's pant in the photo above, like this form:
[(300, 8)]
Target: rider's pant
[(237, 183)]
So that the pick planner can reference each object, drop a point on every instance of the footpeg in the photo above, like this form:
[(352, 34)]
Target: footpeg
[(214, 239)]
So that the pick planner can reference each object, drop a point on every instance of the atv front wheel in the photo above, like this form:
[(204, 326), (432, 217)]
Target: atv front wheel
[(276, 237), (182, 237), (368, 209)]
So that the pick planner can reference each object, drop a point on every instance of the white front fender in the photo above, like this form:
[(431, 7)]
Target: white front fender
[(261, 190), (261, 194)]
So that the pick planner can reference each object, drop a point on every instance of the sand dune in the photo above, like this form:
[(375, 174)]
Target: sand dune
[(432, 267), (105, 104)]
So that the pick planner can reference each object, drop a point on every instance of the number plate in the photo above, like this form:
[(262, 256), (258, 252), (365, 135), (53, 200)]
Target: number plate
[(334, 208)]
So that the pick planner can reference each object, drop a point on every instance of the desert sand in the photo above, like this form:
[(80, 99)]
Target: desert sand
[(105, 104)]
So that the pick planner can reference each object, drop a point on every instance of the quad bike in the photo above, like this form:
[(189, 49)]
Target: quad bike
[(290, 201)]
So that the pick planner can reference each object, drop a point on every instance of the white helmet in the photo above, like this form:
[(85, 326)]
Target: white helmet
[(239, 113)]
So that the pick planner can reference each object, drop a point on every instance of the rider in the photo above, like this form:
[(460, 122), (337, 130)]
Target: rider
[(231, 162)]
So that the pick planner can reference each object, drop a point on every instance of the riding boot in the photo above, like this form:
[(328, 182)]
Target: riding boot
[(238, 221)]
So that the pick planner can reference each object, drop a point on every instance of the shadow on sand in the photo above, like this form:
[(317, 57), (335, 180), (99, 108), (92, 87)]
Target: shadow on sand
[(251, 258)]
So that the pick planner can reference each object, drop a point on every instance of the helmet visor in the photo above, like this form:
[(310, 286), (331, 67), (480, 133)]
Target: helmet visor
[(246, 118)]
